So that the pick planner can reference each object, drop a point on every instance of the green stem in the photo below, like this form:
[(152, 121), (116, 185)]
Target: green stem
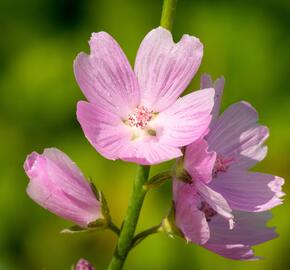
[(114, 228), (131, 219), (142, 235), (168, 12)]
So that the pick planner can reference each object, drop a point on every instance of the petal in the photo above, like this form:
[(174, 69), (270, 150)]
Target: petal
[(52, 187), (188, 218), (216, 201), (164, 69), (250, 229), (218, 85), (198, 162), (106, 77), (148, 151), (186, 120), (114, 140), (234, 252), (104, 129), (236, 134), (249, 191)]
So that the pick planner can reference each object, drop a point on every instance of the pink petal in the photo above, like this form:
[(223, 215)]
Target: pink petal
[(234, 252), (164, 69), (216, 201), (114, 140), (56, 185), (104, 130), (236, 134), (148, 151), (249, 191), (250, 229), (198, 162), (188, 218), (106, 77), (186, 120), (218, 85)]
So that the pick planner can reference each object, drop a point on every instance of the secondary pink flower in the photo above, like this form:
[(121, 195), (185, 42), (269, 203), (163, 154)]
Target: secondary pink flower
[(58, 185), (137, 115), (221, 185), (84, 265)]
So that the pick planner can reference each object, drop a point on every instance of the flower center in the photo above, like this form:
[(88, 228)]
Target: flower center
[(208, 211), (140, 117), (221, 165)]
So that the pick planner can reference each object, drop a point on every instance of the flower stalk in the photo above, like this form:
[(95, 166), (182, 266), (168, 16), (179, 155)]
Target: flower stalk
[(168, 13), (130, 222)]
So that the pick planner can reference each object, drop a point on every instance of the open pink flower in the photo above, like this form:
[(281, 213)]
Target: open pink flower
[(84, 265), (58, 185), (222, 187), (137, 115)]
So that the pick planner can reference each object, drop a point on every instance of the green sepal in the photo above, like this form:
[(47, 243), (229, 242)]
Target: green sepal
[(101, 198), (179, 172), (158, 180), (168, 225)]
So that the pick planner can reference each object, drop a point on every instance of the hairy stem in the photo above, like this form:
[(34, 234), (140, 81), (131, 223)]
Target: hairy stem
[(130, 222), (168, 12)]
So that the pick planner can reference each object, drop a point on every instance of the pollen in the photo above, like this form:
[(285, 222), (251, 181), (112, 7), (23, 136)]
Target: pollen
[(140, 117)]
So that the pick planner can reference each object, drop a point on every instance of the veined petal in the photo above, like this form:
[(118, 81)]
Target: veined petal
[(237, 135), (56, 185), (186, 120), (249, 191), (218, 85), (250, 229), (106, 77), (216, 201), (234, 252), (164, 69), (104, 130), (198, 161), (188, 218)]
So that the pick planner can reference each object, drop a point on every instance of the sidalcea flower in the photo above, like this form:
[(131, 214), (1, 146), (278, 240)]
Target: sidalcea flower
[(84, 265), (57, 184), (136, 115), (222, 204)]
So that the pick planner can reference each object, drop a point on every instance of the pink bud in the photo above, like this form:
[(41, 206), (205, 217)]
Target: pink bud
[(57, 184), (84, 265)]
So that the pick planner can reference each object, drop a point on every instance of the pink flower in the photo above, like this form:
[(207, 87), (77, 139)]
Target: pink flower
[(58, 185), (84, 265), (222, 189), (136, 115)]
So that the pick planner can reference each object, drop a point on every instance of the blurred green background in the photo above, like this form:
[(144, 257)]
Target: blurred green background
[(246, 41)]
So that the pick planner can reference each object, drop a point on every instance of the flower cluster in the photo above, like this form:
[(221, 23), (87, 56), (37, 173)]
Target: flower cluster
[(138, 116)]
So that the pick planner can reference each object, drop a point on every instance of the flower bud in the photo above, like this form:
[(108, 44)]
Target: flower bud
[(84, 265), (57, 184)]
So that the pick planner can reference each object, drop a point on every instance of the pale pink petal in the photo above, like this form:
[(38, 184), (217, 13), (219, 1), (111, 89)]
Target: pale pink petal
[(148, 151), (104, 130), (115, 140), (188, 218), (234, 252), (249, 191), (237, 135), (216, 201), (164, 69), (218, 85), (186, 120), (198, 161), (250, 229), (106, 77), (56, 189)]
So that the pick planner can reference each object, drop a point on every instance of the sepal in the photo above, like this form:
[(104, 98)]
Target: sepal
[(168, 225)]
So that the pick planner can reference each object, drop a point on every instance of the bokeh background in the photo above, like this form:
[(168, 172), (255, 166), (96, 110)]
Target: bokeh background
[(246, 41)]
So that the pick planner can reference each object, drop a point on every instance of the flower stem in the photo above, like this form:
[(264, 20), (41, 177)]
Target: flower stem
[(142, 235), (168, 12), (130, 222)]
